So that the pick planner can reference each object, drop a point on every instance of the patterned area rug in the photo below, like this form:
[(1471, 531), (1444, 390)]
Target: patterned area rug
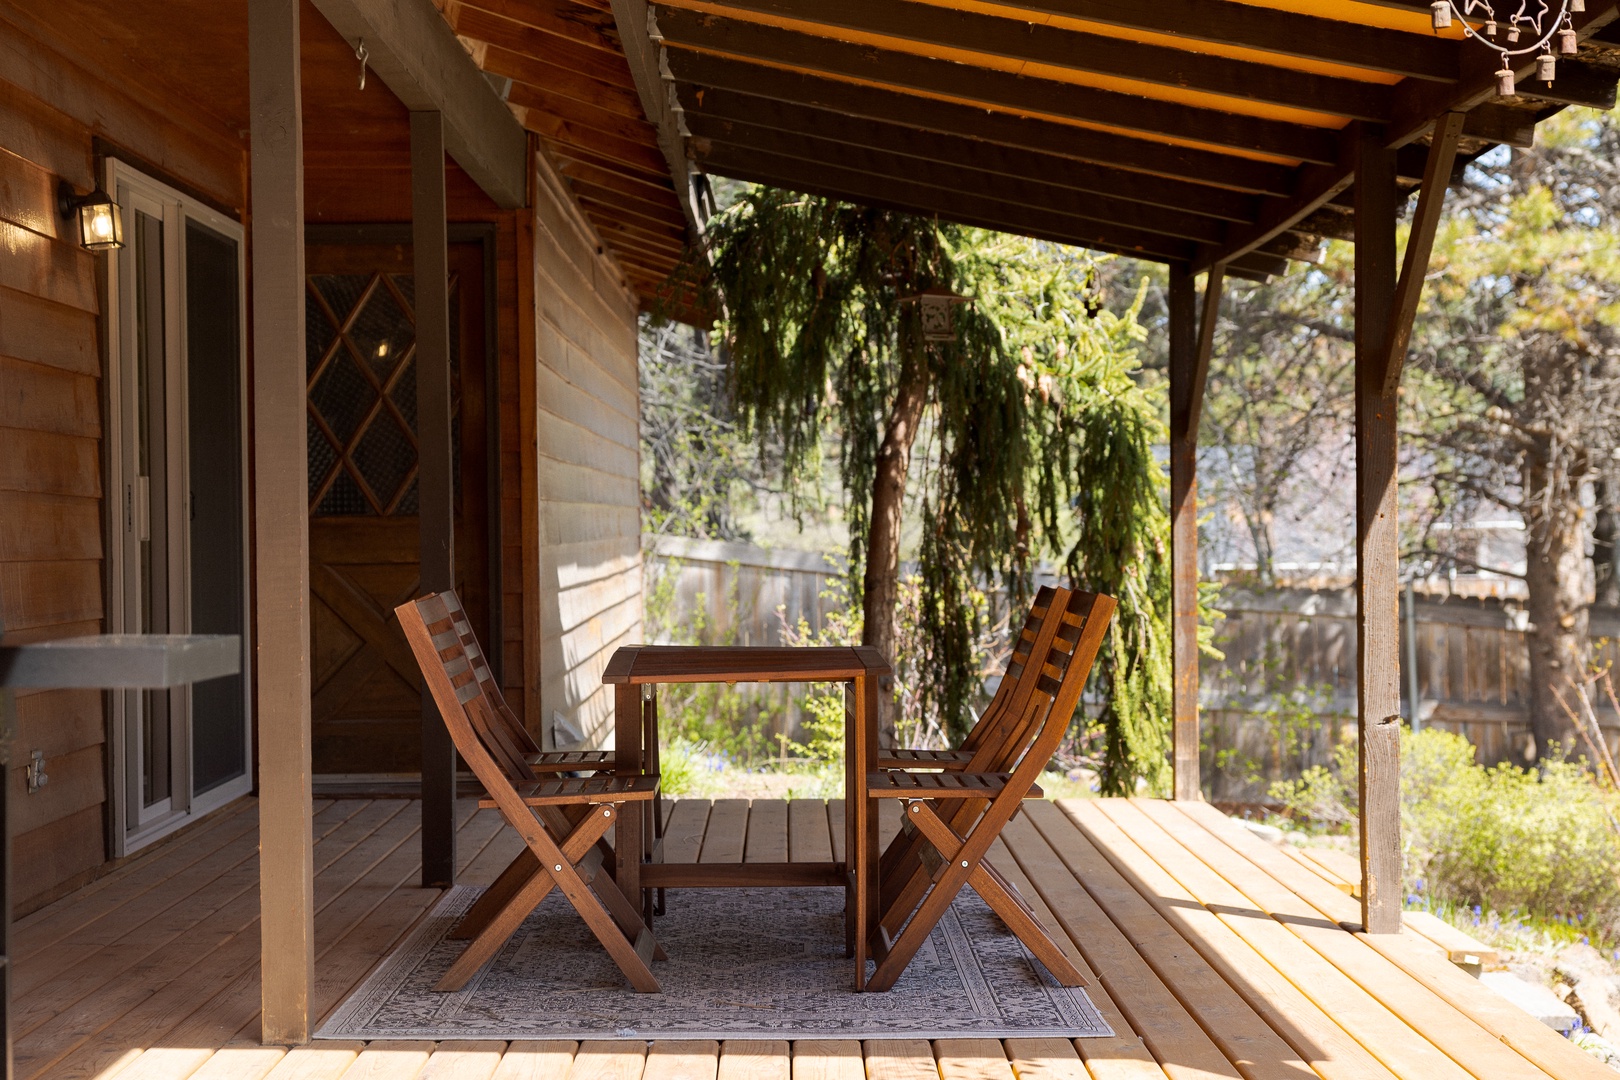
[(743, 963)]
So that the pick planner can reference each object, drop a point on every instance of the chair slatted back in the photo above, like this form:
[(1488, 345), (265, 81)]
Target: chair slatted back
[(440, 639), (1063, 671), (1007, 696), (516, 733)]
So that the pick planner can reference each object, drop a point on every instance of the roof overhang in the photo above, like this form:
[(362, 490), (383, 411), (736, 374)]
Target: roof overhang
[(1193, 132)]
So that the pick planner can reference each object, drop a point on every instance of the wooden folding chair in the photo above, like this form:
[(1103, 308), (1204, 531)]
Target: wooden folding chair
[(960, 814), (561, 820), (901, 867)]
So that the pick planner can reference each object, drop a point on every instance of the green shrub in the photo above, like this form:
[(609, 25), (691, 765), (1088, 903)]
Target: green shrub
[(1542, 841)]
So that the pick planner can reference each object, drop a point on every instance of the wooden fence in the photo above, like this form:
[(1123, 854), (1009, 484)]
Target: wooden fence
[(1277, 704)]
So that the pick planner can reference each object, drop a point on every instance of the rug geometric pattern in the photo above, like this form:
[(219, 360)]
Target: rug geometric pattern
[(764, 963)]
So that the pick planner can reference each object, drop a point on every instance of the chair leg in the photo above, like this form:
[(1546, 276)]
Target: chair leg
[(496, 931), (1004, 900), (497, 896)]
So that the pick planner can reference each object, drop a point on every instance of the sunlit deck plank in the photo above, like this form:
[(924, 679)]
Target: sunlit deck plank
[(972, 1059), (1384, 1034), (240, 1062), (754, 1059), (828, 1059), (386, 1060), (1314, 1035), (1146, 1008), (1433, 995), (539, 1059), (609, 1060), (682, 1059), (463, 1060)]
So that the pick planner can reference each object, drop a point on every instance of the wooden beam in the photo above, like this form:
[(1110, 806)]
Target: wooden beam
[(961, 177), (1000, 90), (915, 198), (1190, 347), (1057, 46), (1377, 542), (732, 108), (1419, 244), (415, 53), (1272, 30), (704, 70), (633, 18), (436, 515), (1579, 82), (281, 523)]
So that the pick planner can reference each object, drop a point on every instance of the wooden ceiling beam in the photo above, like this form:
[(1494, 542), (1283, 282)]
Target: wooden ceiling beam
[(557, 18), (686, 31), (966, 208), (1017, 162), (576, 164), (1064, 140), (558, 81), (709, 136), (1073, 50), (633, 20), (537, 98), (477, 25), (1266, 29), (572, 133), (414, 52)]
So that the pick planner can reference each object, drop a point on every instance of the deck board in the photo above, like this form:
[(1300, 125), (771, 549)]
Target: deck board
[(1212, 954)]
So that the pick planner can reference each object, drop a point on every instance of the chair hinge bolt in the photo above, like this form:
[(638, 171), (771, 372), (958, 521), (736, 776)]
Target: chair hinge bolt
[(964, 864), (558, 867)]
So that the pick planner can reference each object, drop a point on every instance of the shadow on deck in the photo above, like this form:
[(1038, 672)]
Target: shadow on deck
[(1210, 952)]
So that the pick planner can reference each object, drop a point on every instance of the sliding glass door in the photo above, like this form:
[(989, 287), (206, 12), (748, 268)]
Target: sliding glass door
[(176, 447)]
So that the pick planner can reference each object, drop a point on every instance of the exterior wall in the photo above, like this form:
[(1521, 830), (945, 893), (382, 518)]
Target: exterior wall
[(52, 408), (586, 597)]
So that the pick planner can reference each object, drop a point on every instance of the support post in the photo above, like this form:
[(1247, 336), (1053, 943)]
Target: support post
[(1190, 345), (1377, 551), (435, 482), (281, 523)]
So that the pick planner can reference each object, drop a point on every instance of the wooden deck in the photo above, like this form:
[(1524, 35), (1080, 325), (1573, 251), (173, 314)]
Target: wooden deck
[(1215, 955)]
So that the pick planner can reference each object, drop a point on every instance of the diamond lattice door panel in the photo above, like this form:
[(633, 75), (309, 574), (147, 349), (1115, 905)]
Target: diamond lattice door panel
[(363, 459)]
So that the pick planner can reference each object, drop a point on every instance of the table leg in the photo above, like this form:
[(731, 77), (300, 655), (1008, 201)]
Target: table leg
[(861, 841), (627, 754)]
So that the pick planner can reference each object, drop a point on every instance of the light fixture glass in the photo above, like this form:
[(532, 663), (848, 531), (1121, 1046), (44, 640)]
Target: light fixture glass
[(101, 226)]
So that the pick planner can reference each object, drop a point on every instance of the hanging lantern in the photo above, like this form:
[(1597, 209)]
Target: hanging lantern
[(935, 312), (1441, 13)]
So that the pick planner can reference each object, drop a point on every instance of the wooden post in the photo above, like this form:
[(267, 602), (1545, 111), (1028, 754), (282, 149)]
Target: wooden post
[(1377, 551), (1190, 345), (281, 523), (435, 481)]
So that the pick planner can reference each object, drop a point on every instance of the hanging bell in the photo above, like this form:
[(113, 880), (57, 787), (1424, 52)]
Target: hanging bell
[(1490, 26), (1513, 35), (1577, 6), (1546, 67), (1441, 10), (1504, 80), (1567, 42)]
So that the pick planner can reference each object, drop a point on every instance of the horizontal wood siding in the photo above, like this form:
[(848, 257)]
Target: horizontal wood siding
[(586, 466), (52, 109)]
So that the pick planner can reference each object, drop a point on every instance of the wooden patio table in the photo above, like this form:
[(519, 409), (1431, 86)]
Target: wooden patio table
[(636, 670)]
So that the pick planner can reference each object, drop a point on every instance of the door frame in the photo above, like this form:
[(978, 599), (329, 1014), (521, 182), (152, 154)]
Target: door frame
[(130, 827)]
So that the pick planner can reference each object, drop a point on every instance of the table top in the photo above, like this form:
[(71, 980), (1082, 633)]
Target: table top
[(637, 664)]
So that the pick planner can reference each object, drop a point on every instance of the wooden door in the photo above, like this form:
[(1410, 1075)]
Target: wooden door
[(367, 702)]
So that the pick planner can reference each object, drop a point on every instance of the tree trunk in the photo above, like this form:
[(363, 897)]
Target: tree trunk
[(882, 584), (1555, 573)]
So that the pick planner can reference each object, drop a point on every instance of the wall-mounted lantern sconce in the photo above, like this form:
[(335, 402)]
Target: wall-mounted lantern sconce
[(101, 226)]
